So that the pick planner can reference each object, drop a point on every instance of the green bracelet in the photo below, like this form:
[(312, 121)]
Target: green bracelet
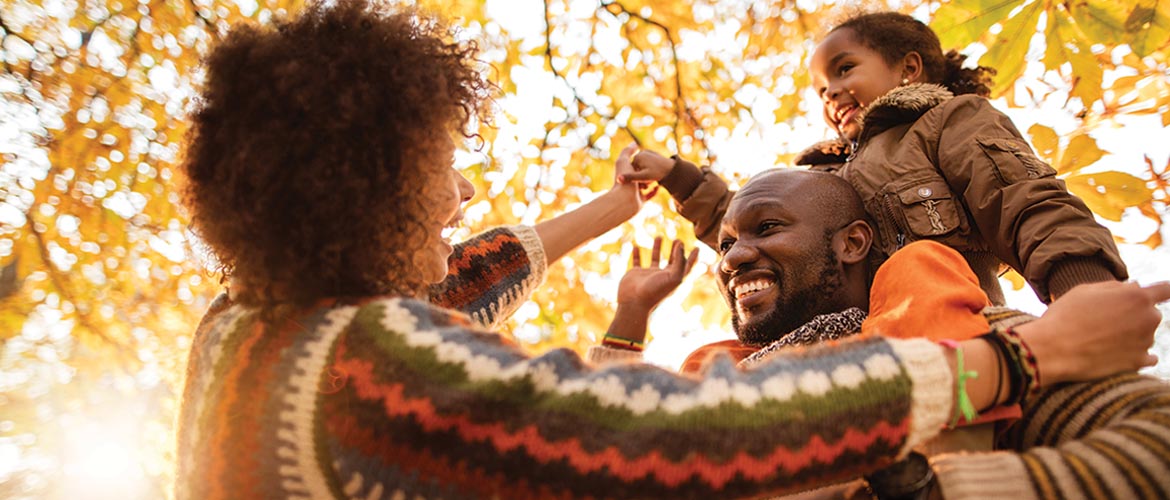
[(963, 406)]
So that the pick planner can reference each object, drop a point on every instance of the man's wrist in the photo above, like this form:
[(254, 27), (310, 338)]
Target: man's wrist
[(629, 322)]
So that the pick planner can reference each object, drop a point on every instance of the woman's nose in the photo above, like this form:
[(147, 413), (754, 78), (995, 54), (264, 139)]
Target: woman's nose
[(466, 188)]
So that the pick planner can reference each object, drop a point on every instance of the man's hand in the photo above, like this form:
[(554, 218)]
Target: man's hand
[(642, 288), (1096, 330), (645, 287)]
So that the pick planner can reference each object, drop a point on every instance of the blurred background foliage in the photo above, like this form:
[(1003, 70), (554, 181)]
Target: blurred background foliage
[(101, 285)]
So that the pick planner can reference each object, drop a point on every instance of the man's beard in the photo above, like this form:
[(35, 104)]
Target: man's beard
[(800, 307)]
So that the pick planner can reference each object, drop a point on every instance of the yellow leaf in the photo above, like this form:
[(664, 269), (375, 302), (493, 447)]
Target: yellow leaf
[(962, 22), (1103, 21), (1081, 152), (1109, 193), (1016, 280), (1062, 45), (1007, 53), (1148, 26), (1046, 142)]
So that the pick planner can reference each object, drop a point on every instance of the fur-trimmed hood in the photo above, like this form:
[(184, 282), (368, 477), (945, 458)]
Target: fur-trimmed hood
[(901, 105)]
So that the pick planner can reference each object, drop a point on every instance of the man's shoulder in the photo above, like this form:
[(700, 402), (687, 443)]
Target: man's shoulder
[(699, 357)]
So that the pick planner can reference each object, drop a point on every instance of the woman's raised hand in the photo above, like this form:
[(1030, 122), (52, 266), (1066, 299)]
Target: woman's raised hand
[(1096, 330)]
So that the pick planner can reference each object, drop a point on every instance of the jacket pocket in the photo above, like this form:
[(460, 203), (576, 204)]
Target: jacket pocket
[(929, 208), (1013, 160)]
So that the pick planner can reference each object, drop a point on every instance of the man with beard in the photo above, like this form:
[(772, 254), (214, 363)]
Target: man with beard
[(795, 269)]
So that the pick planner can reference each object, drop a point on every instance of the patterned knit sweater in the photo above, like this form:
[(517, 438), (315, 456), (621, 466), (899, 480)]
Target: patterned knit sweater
[(397, 398)]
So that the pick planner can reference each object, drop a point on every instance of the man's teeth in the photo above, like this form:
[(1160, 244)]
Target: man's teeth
[(751, 286)]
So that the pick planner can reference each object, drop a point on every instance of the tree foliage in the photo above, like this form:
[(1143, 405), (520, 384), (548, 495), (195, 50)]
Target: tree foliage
[(101, 286)]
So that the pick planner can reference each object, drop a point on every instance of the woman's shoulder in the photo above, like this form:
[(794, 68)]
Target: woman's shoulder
[(407, 311)]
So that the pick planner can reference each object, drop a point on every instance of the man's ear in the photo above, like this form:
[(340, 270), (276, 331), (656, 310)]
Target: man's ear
[(853, 241), (912, 70)]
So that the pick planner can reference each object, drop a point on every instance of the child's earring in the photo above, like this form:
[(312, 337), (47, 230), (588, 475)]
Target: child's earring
[(905, 81)]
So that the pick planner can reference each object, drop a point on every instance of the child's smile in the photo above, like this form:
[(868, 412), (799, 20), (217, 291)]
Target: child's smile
[(848, 76)]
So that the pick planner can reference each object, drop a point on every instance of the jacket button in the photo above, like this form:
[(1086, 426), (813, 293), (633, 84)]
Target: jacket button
[(924, 192)]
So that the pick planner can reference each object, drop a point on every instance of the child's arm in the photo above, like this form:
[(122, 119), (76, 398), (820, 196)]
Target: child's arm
[(701, 196), (1025, 214)]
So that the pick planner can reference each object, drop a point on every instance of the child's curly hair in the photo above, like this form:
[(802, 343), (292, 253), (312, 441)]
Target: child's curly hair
[(316, 145), (893, 35)]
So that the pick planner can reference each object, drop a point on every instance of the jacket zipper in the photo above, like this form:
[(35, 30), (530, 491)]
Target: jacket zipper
[(900, 236)]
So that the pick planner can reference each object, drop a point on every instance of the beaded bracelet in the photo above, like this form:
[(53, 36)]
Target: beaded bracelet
[(998, 378), (1027, 359), (963, 404), (1014, 370), (622, 343), (1023, 370)]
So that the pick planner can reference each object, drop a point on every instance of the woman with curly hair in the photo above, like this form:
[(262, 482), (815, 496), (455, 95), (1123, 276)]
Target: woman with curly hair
[(345, 360)]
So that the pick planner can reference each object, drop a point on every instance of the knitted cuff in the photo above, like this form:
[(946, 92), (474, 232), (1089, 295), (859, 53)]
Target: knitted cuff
[(601, 355), (982, 475), (932, 394), (535, 250), (682, 180), (1074, 271)]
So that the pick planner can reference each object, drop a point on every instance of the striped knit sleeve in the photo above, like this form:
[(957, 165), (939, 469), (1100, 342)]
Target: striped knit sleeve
[(1103, 439), (490, 275), (421, 403), (600, 354)]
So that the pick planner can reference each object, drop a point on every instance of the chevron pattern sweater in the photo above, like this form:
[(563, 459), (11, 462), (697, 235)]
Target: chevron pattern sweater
[(397, 398)]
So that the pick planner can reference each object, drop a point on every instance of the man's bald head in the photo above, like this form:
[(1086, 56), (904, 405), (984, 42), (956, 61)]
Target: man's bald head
[(794, 245), (829, 195)]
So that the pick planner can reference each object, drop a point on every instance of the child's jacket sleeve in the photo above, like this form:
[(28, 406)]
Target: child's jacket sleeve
[(1025, 214)]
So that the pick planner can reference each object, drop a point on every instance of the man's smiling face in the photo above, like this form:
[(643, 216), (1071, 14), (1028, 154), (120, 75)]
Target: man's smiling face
[(778, 268)]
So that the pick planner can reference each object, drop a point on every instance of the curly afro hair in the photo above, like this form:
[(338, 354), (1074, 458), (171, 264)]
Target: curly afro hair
[(315, 147), (894, 35)]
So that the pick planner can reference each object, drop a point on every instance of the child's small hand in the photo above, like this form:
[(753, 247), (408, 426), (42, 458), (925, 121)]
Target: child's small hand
[(645, 166), (635, 191)]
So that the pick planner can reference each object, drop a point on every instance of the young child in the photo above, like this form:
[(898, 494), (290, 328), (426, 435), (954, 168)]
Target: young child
[(931, 158)]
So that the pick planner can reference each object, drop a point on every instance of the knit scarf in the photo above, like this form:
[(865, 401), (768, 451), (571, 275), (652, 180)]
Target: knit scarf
[(822, 328)]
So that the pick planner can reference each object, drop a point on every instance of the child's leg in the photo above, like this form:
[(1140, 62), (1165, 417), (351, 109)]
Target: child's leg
[(926, 289)]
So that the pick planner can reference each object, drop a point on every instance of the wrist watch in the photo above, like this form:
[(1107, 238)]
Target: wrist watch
[(910, 479)]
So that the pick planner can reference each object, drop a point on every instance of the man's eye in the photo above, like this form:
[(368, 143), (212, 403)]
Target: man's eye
[(766, 225)]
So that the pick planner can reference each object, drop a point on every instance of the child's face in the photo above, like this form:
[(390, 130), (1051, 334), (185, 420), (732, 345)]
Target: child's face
[(848, 76)]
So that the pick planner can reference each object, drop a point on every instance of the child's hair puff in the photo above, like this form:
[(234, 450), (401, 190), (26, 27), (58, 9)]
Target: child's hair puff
[(893, 35)]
